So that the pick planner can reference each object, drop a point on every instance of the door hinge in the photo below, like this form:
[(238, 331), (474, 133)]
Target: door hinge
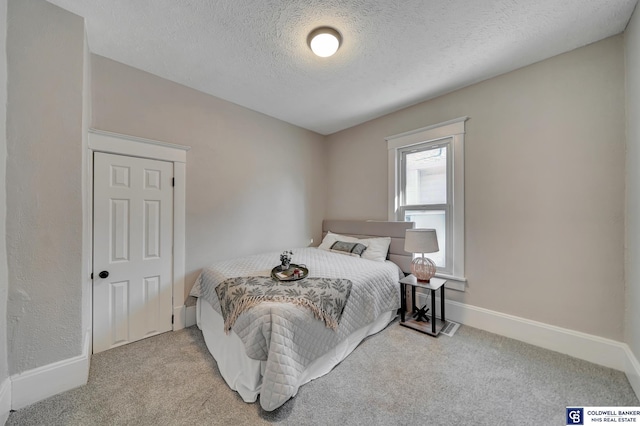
[(171, 319), (173, 181), (92, 275)]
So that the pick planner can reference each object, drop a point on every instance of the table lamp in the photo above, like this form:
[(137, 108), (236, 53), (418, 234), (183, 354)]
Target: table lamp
[(422, 241)]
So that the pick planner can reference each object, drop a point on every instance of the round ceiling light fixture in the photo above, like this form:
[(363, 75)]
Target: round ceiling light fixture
[(324, 41)]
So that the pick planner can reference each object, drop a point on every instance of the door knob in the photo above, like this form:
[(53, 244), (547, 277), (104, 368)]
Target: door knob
[(103, 274)]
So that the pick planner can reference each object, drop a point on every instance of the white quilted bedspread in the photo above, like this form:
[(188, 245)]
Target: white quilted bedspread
[(288, 337)]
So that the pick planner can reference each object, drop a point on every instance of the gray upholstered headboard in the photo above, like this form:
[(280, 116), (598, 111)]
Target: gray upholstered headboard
[(372, 228)]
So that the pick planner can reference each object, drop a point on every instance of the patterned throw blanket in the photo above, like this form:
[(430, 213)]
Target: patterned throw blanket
[(326, 297)]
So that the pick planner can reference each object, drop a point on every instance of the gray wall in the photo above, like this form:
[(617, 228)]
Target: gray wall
[(254, 183), (544, 186), (45, 50), (4, 283), (632, 52)]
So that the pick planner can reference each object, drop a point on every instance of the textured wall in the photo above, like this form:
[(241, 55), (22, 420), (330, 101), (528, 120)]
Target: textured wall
[(632, 255), (4, 283), (544, 177), (45, 46), (254, 183)]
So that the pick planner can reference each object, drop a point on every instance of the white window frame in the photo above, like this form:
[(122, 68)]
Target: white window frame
[(446, 207), (454, 131)]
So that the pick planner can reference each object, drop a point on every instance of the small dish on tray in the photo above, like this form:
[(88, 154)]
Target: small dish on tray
[(290, 274)]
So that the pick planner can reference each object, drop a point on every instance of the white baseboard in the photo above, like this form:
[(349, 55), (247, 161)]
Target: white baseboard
[(179, 321), (601, 351), (632, 371), (43, 382), (191, 316), (5, 400)]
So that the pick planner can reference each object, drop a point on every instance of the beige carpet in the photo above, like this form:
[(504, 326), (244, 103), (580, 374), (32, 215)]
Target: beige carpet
[(397, 377)]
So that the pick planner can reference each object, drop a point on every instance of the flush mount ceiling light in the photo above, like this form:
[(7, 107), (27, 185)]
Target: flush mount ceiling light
[(324, 41)]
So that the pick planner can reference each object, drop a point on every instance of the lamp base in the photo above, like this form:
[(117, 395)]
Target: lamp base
[(423, 268)]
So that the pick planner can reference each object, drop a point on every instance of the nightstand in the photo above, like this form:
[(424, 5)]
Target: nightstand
[(435, 325)]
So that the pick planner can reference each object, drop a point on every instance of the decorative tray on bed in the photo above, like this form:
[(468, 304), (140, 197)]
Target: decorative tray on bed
[(289, 274)]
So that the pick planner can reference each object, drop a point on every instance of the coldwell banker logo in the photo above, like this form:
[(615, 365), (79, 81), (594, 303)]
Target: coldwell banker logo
[(574, 416)]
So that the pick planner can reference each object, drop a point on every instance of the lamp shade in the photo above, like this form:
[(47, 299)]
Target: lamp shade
[(421, 241)]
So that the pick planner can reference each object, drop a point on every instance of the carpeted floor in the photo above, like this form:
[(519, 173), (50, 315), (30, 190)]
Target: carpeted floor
[(397, 377)]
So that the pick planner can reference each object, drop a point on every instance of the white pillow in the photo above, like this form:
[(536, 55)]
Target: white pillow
[(331, 238), (377, 248)]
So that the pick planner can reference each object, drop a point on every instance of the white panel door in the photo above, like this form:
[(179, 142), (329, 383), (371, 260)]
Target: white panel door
[(132, 249)]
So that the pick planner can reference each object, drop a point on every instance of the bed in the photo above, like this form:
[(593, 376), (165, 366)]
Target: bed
[(273, 348)]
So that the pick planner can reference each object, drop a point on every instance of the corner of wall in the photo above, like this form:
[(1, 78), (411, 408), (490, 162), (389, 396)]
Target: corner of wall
[(5, 400), (87, 174), (5, 381), (632, 200)]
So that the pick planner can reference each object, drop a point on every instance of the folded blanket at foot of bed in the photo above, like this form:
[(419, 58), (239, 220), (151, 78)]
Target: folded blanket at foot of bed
[(325, 297)]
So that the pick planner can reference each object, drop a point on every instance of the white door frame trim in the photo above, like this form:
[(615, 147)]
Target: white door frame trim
[(115, 143)]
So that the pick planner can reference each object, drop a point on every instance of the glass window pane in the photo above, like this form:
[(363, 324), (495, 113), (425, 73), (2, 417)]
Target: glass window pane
[(431, 219), (426, 176)]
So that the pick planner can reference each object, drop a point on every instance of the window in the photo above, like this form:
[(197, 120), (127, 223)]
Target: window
[(426, 186), (425, 177)]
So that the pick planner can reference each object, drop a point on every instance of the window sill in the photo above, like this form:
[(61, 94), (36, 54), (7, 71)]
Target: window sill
[(453, 283)]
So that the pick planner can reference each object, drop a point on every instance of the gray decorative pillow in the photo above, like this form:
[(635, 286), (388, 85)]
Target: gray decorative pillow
[(352, 249)]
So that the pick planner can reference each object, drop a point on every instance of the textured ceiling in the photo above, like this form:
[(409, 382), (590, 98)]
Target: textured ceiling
[(395, 53)]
